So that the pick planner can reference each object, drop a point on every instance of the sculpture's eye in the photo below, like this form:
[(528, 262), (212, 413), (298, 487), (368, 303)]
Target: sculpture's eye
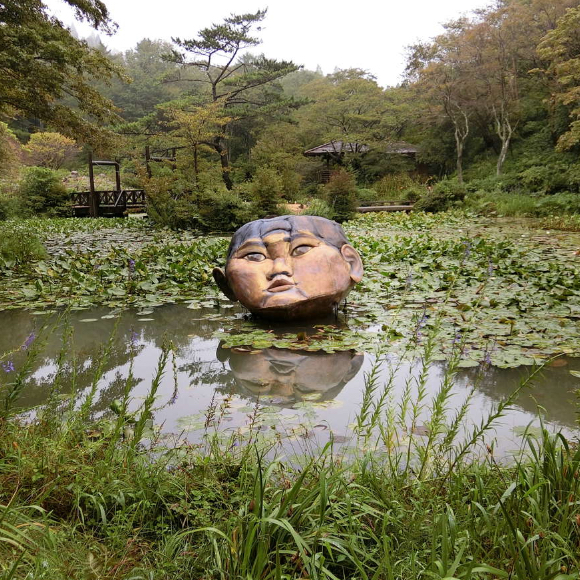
[(299, 250), (255, 257)]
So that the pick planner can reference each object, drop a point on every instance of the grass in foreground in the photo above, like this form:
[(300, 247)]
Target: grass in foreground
[(79, 502)]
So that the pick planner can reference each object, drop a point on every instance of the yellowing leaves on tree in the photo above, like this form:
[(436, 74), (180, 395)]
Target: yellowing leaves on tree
[(50, 150)]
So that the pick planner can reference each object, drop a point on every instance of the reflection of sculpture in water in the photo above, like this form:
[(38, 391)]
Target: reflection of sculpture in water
[(290, 267), (285, 377)]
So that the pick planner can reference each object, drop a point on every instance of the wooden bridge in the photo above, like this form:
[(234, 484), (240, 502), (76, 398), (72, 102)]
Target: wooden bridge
[(109, 203), (384, 206)]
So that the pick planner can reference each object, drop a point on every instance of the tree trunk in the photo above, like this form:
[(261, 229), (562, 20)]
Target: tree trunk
[(504, 131), (461, 133), (459, 159), (195, 163), (502, 155), (222, 151)]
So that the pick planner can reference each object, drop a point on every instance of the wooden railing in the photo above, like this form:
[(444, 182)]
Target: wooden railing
[(109, 198), (107, 202), (369, 206)]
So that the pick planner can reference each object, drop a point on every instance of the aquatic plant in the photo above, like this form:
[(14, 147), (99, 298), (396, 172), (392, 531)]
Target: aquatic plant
[(416, 496)]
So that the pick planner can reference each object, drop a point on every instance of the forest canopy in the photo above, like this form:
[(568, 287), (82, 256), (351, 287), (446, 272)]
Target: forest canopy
[(493, 101)]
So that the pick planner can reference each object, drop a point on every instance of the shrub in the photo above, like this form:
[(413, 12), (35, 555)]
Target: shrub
[(19, 245), (391, 187), (211, 209), (341, 195), (319, 208), (365, 195), (9, 207), (266, 189), (221, 210), (10, 151), (558, 203), (443, 196), (413, 193), (42, 191)]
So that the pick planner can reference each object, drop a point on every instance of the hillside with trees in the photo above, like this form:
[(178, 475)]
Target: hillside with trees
[(490, 107)]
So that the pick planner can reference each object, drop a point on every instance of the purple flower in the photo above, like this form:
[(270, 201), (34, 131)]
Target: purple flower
[(28, 341), (420, 324), (457, 337), (131, 266), (8, 366), (467, 251), (134, 338), (173, 398), (409, 280)]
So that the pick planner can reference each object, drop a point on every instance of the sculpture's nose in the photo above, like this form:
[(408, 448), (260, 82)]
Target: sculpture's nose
[(280, 267)]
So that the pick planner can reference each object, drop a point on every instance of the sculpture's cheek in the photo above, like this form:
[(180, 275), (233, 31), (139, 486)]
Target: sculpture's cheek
[(320, 273), (247, 281)]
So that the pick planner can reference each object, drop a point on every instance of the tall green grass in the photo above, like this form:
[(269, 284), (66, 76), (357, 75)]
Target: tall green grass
[(422, 496)]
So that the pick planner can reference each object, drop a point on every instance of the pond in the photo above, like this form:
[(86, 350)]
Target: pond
[(298, 398)]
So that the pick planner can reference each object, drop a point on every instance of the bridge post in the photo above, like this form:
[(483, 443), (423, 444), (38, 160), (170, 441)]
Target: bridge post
[(93, 198), (118, 175)]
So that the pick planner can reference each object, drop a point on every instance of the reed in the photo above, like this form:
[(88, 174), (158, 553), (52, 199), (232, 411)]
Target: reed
[(80, 501)]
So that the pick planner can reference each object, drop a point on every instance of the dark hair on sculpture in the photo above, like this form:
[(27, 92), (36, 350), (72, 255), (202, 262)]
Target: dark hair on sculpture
[(324, 229)]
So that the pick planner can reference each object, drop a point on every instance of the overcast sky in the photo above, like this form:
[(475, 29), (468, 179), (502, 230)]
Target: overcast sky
[(371, 35)]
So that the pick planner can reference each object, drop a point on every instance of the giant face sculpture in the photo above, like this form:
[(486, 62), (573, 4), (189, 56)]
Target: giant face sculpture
[(290, 267)]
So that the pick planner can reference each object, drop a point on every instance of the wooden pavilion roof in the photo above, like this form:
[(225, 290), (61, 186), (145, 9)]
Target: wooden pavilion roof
[(339, 147), (336, 147)]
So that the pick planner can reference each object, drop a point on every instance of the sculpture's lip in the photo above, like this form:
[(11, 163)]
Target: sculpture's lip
[(281, 285)]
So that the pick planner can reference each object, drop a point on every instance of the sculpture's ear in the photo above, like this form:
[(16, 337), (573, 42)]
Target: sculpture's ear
[(353, 259), (220, 277)]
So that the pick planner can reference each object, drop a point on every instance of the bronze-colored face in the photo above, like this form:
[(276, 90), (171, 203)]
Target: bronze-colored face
[(292, 376), (291, 275)]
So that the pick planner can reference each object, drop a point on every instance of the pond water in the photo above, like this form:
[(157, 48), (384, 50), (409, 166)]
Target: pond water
[(304, 397)]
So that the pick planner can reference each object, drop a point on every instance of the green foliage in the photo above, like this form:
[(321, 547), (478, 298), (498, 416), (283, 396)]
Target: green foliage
[(366, 195), (45, 63), (410, 500), (9, 151), (392, 187), (413, 193), (9, 206), (569, 223), (210, 209), (42, 191), (443, 196), (50, 150), (559, 49), (223, 211), (318, 207), (19, 246), (516, 204), (340, 194), (266, 189)]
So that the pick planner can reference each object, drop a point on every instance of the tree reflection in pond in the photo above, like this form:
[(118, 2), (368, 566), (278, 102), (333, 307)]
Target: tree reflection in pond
[(291, 383)]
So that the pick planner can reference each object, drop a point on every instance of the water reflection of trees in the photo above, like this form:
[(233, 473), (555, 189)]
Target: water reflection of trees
[(173, 323), (552, 389), (227, 371)]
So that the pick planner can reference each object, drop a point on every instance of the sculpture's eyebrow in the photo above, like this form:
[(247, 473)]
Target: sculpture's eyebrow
[(300, 235), (251, 243)]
